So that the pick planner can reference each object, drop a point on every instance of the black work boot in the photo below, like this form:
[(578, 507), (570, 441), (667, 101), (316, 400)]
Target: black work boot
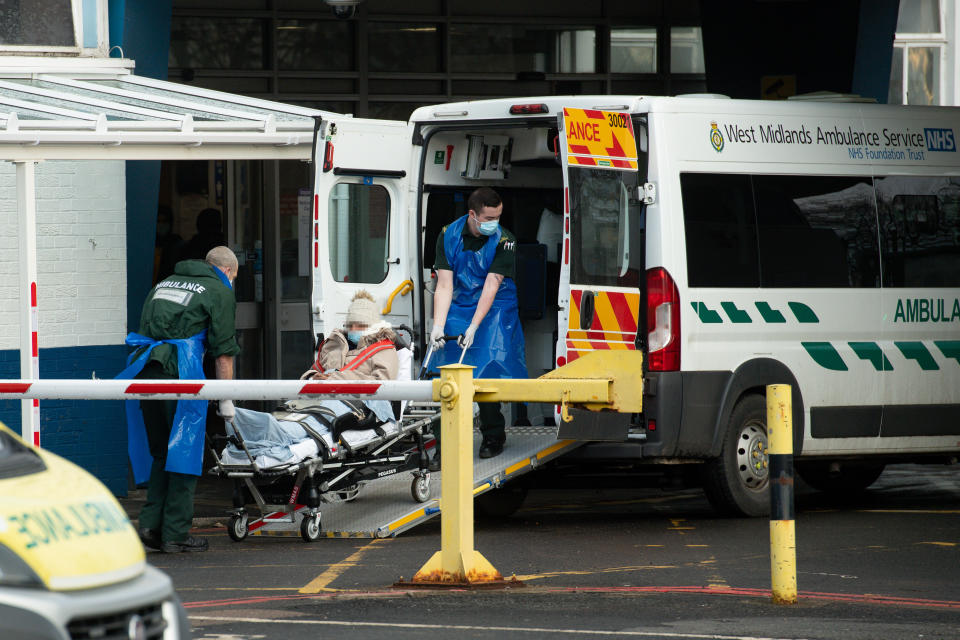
[(435, 462), (190, 544), (491, 447), (150, 538)]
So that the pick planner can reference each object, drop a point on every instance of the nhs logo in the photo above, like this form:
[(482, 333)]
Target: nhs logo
[(940, 139)]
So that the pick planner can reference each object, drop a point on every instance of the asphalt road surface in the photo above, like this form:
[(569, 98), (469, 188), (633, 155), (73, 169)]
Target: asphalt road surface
[(608, 564)]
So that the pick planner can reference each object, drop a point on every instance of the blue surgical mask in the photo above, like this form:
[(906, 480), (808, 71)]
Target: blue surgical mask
[(489, 227), (354, 336)]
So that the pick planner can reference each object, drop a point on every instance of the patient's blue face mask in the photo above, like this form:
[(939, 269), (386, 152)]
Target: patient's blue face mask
[(489, 227), (354, 336)]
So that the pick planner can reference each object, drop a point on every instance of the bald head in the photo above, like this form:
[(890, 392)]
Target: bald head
[(225, 260)]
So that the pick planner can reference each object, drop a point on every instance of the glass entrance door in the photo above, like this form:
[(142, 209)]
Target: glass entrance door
[(245, 237)]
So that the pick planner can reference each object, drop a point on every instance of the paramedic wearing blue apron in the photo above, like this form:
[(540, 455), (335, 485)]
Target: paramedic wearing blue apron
[(186, 314), (476, 298)]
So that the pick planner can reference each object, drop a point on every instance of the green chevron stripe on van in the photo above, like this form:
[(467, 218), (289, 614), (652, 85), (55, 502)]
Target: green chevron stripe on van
[(769, 314), (916, 351), (871, 351), (706, 315), (949, 348), (825, 355), (803, 313), (737, 316)]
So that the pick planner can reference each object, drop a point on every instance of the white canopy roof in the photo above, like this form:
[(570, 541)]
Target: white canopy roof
[(83, 108)]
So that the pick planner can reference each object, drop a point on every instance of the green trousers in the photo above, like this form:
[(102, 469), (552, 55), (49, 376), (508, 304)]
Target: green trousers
[(169, 505)]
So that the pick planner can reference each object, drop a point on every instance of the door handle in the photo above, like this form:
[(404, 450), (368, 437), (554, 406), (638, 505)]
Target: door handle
[(586, 310)]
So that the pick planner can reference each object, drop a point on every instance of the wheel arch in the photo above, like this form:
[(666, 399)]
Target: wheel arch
[(753, 376)]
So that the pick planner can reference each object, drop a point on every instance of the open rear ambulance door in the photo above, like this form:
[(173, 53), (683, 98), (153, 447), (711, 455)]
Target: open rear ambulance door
[(602, 270), (361, 238)]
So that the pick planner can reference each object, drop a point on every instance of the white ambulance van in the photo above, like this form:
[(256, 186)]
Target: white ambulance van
[(735, 243)]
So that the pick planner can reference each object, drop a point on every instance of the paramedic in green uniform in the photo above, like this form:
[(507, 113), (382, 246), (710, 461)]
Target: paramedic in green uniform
[(476, 299), (197, 298)]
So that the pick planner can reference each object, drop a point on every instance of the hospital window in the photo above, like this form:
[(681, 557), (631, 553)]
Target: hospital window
[(919, 44), (358, 231)]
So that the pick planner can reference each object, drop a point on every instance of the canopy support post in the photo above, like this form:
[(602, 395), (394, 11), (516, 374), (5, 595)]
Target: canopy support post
[(29, 322)]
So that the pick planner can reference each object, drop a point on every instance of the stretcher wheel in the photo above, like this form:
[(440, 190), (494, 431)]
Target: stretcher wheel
[(420, 487), (310, 528), (237, 528)]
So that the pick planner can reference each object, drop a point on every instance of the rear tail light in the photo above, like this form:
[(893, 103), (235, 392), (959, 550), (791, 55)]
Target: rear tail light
[(523, 109), (328, 157), (663, 321)]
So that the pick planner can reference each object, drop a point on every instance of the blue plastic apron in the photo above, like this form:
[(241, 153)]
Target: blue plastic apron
[(185, 447), (498, 348)]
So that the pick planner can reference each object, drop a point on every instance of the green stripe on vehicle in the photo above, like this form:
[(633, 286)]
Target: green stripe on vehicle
[(803, 313), (737, 316), (825, 355), (916, 351), (769, 314), (871, 351), (706, 315), (949, 348)]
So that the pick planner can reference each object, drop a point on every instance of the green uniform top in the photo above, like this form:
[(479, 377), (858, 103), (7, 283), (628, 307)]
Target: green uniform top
[(184, 304), (504, 260)]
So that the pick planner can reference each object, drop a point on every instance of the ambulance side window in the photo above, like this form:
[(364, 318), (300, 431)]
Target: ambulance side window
[(358, 228), (919, 231), (721, 230)]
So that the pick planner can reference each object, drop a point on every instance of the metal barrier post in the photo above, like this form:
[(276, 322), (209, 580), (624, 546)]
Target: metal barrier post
[(457, 563), (783, 546)]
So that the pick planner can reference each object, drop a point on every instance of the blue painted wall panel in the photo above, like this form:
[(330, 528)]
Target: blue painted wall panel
[(90, 433)]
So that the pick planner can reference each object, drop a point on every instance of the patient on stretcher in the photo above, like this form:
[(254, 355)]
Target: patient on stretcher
[(365, 349)]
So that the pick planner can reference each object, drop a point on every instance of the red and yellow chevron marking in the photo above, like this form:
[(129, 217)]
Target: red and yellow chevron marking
[(600, 139), (615, 316)]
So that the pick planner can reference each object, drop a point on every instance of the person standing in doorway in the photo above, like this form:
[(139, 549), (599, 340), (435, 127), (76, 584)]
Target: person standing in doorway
[(476, 298), (188, 313)]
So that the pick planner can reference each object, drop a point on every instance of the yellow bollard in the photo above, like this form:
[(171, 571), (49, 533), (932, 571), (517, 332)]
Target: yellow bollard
[(783, 546), (457, 563)]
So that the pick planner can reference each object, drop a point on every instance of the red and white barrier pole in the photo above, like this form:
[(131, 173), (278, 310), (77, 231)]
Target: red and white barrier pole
[(142, 389), (29, 321)]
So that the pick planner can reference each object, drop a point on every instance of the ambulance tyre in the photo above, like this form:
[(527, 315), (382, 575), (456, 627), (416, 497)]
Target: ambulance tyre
[(310, 528), (237, 528), (736, 483), (420, 488), (840, 478), (500, 503)]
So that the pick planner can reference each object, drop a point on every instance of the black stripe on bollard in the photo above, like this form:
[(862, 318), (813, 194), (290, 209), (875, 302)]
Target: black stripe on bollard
[(781, 486)]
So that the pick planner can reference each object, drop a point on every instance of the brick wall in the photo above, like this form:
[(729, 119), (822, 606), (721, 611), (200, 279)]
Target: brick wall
[(81, 291), (81, 254)]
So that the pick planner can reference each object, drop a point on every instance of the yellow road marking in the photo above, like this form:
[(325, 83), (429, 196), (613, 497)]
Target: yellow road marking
[(940, 544), (555, 574), (334, 571)]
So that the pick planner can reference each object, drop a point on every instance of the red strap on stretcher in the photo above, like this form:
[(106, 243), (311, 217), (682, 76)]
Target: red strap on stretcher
[(367, 353), (360, 358)]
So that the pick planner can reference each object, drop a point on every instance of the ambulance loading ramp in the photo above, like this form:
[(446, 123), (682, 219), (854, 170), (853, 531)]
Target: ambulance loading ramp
[(385, 507)]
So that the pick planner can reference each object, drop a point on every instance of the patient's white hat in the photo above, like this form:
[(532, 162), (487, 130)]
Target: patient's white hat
[(363, 310)]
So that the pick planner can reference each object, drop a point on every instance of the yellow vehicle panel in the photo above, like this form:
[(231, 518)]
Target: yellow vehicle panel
[(67, 527)]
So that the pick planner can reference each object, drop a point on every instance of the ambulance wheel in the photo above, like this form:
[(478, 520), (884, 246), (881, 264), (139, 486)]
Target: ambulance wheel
[(737, 482), (420, 487), (310, 528), (237, 528), (500, 503), (840, 478)]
